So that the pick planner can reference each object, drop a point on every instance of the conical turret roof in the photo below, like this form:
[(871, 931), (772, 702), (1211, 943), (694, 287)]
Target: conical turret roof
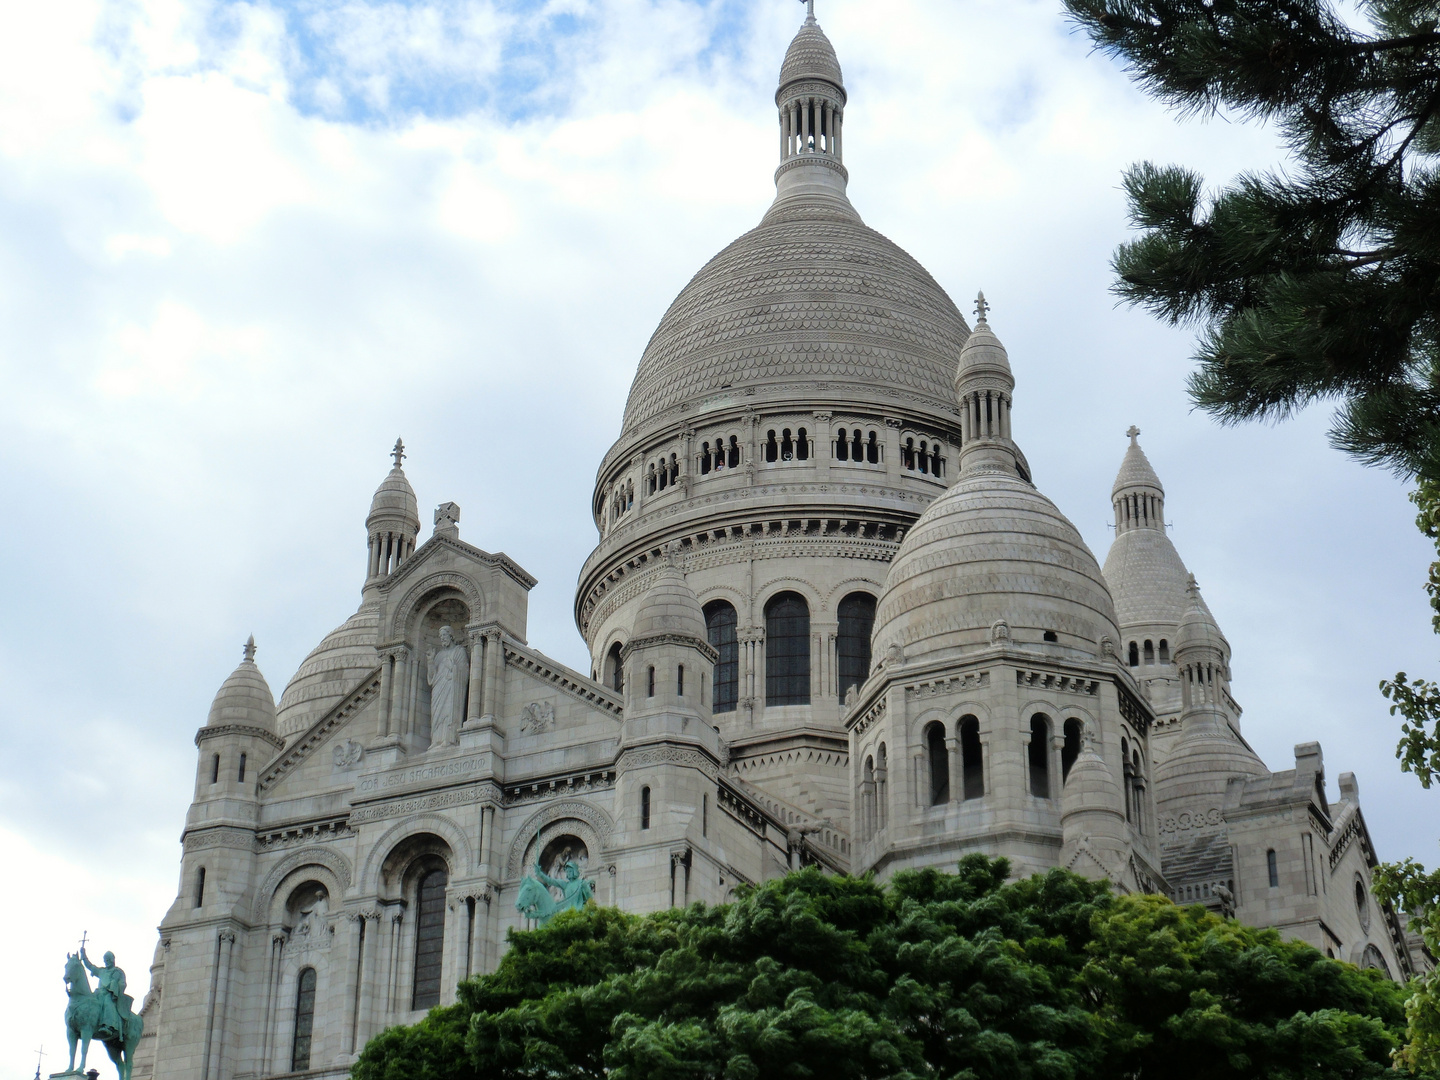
[(395, 498), (244, 698), (1135, 470), (810, 56), (670, 607)]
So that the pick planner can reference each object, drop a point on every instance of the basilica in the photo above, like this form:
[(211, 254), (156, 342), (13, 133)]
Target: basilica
[(832, 622)]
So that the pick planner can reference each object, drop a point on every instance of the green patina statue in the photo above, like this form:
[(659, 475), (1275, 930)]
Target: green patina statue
[(537, 901), (104, 1012)]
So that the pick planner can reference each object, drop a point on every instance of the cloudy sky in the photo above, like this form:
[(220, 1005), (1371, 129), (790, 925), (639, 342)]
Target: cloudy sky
[(243, 246)]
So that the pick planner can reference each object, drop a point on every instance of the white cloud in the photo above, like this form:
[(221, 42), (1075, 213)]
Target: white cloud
[(240, 252)]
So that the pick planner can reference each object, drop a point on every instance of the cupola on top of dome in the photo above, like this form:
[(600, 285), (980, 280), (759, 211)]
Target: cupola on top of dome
[(670, 609), (244, 698), (1199, 632), (395, 498), (983, 360), (810, 56), (1137, 494)]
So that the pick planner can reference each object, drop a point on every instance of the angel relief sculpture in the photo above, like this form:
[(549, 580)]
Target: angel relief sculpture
[(538, 899)]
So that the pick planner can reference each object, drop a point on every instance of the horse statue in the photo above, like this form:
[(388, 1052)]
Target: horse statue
[(535, 899), (103, 1014)]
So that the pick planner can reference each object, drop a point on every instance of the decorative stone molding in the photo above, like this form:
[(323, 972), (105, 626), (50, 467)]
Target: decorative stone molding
[(537, 717), (871, 716), (326, 858), (568, 784), (704, 648), (418, 822), (441, 800), (562, 678), (220, 731), (668, 755), (1187, 820), (309, 832), (347, 755), (404, 609), (219, 836), (1050, 680), (952, 684)]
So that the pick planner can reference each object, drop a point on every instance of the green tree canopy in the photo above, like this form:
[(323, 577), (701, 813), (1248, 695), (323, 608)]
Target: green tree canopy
[(1321, 281), (936, 975)]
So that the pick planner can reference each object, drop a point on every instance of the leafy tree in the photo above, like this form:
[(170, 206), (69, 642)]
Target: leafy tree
[(937, 976), (1322, 281)]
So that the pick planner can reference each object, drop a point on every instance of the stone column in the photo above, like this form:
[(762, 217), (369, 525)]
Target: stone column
[(387, 680), (892, 450), (493, 690), (272, 1001), (476, 692), (215, 1043), (956, 767)]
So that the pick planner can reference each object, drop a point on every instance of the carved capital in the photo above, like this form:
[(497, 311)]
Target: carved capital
[(822, 417), (227, 937)]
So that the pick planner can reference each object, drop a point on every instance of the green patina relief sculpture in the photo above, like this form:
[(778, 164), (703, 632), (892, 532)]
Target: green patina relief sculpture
[(104, 1012), (537, 897)]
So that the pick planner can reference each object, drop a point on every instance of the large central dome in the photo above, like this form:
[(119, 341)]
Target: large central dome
[(812, 295)]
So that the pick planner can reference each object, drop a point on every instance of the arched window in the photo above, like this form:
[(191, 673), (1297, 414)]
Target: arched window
[(1134, 654), (200, 887), (907, 454), (304, 1021), (721, 629), (734, 452), (650, 688), (972, 764), (938, 759), (772, 447), (1126, 776), (644, 808), (857, 445), (882, 784), (1149, 653), (1164, 651), (937, 463), (787, 446), (802, 446), (215, 768), (1273, 866), (867, 797), (1040, 756), (652, 479), (857, 619), (674, 469), (787, 650), (704, 458), (872, 450), (842, 445), (1137, 783), (614, 669), (664, 476), (241, 777), (1071, 750), (680, 681), (429, 937)]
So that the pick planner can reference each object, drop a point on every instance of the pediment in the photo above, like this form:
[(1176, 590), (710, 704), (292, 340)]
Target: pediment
[(435, 549), (305, 745)]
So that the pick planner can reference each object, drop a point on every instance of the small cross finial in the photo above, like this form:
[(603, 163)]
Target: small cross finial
[(399, 452), (809, 10), (250, 648), (1192, 587), (982, 306), (1134, 433)]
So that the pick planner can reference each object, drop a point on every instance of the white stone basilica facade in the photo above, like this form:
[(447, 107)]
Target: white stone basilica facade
[(832, 622)]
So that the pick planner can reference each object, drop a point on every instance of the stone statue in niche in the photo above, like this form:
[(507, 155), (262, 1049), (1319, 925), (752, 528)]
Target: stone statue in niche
[(447, 669), (536, 717), (311, 923)]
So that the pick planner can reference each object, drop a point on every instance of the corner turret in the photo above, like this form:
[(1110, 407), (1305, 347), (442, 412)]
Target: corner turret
[(393, 522), (984, 387)]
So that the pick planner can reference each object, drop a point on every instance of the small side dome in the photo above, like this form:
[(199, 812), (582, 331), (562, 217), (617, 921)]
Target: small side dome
[(992, 549), (244, 698), (345, 656), (670, 607), (810, 56), (1198, 628), (1091, 785)]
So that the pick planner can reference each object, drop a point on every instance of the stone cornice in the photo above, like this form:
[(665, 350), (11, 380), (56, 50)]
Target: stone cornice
[(219, 731), (704, 648), (506, 565), (563, 678)]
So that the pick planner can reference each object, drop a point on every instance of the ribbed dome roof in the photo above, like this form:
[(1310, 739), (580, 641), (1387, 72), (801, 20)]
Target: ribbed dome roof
[(810, 56), (811, 295), (244, 697), (1198, 628), (670, 607), (395, 498), (331, 671), (992, 548), (983, 356)]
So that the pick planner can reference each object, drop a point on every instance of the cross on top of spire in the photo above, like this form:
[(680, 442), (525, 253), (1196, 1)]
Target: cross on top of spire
[(1134, 433), (982, 306), (809, 10), (1192, 587), (399, 452), (250, 648)]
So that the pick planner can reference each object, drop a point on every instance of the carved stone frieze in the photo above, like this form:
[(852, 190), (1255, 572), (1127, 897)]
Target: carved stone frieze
[(221, 836), (668, 755), (440, 800), (1189, 820)]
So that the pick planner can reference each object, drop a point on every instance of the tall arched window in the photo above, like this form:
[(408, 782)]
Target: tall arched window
[(1149, 653), (787, 650), (644, 808), (200, 887), (857, 619), (1126, 775), (304, 1021), (1071, 750), (867, 797), (429, 937), (1164, 651), (1134, 654), (939, 761), (1040, 756), (1272, 866), (882, 787), (241, 777), (614, 669), (721, 625), (215, 768), (972, 764)]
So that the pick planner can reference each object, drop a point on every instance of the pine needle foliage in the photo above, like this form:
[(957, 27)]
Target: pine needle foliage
[(937, 976), (1320, 282)]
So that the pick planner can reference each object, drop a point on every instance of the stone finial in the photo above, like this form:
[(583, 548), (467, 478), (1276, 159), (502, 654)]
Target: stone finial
[(447, 517), (982, 306), (1192, 588), (809, 10), (1134, 433), (398, 453), (250, 649)]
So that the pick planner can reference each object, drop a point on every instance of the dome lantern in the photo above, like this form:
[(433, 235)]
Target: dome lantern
[(1138, 496), (984, 386), (393, 522), (811, 100)]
